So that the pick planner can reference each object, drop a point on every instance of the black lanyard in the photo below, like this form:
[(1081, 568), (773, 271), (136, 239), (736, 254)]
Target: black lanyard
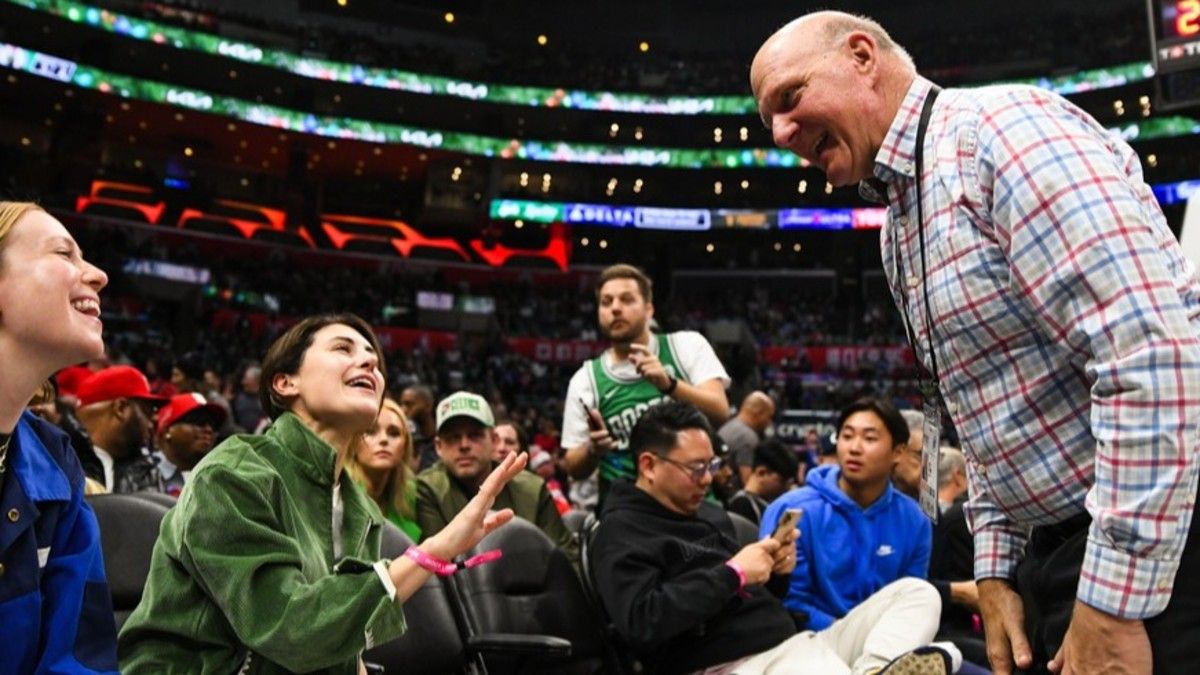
[(927, 388)]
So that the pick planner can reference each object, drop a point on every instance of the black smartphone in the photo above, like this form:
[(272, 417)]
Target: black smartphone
[(592, 420)]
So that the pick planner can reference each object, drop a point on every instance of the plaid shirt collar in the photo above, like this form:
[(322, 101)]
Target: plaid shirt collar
[(898, 151)]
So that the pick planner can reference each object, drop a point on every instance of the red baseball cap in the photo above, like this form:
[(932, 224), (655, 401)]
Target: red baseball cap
[(70, 378), (183, 404), (116, 382)]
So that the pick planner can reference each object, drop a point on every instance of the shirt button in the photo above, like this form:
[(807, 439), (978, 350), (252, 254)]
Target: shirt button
[(913, 281), (903, 220), (13, 515), (952, 407), (908, 167)]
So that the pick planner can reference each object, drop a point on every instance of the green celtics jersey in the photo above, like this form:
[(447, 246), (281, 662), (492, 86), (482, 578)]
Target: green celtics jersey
[(621, 403)]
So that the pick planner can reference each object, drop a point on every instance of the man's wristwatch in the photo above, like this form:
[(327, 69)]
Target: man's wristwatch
[(670, 387)]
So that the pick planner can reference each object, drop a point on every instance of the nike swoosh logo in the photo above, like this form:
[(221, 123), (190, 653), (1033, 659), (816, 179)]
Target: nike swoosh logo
[(607, 395)]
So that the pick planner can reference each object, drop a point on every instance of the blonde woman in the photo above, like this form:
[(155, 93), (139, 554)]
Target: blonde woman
[(54, 601), (382, 464)]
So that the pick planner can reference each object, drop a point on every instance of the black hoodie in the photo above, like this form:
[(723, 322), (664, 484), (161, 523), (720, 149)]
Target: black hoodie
[(663, 580)]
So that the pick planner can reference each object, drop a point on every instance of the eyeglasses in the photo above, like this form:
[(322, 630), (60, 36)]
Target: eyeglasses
[(696, 470)]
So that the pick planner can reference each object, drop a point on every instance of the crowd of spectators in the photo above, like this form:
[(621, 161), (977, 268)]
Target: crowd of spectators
[(255, 289)]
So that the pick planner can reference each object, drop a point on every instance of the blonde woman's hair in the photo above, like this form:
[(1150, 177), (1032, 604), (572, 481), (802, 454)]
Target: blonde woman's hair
[(401, 483), (10, 213)]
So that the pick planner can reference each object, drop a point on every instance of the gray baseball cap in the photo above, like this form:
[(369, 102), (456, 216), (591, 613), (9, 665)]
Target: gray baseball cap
[(465, 404)]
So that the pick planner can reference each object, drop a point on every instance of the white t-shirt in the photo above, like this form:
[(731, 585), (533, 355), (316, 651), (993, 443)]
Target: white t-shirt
[(106, 462), (693, 354)]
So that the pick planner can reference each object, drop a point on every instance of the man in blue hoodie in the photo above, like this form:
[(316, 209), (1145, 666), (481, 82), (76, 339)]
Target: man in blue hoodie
[(857, 533)]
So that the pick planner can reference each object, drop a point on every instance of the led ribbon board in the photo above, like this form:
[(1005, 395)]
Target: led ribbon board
[(549, 97)]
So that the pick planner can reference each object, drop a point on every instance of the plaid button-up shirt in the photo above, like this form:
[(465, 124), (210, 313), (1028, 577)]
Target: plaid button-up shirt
[(1067, 328)]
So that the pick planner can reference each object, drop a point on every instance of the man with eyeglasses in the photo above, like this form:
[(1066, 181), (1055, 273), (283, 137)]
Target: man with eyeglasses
[(117, 410), (687, 599)]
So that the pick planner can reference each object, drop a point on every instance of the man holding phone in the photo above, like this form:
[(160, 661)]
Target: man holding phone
[(609, 393), (686, 599)]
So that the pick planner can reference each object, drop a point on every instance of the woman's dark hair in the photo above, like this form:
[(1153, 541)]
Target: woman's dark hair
[(287, 353), (892, 419), (657, 430)]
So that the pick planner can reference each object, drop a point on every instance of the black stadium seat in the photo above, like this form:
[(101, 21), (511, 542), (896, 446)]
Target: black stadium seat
[(128, 529), (574, 521), (432, 645), (747, 531), (626, 661), (157, 497), (533, 589)]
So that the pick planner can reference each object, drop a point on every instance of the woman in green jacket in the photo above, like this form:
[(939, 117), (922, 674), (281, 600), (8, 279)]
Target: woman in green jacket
[(270, 561)]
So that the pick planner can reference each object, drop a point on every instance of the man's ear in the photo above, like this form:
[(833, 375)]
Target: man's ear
[(121, 408), (862, 50), (645, 464)]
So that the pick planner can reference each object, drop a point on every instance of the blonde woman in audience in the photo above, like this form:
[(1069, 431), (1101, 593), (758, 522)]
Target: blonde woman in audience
[(270, 561), (382, 464), (55, 608)]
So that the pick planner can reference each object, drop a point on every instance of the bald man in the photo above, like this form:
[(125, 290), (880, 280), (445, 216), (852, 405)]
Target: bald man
[(1061, 324), (745, 430)]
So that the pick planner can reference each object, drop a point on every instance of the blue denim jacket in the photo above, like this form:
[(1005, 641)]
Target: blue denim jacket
[(55, 606)]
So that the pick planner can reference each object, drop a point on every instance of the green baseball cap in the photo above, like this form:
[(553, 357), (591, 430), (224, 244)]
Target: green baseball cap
[(465, 404)]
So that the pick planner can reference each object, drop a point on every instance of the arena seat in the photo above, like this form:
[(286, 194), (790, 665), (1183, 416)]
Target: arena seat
[(157, 497), (574, 520), (747, 531), (434, 643), (128, 529), (533, 589), (625, 659)]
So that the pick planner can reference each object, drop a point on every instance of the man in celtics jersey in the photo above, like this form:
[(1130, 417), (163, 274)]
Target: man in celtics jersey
[(609, 393)]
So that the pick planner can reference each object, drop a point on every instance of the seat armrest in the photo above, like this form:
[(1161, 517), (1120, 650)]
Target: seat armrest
[(519, 643)]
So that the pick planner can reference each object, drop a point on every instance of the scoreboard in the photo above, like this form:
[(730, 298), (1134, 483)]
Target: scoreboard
[(1175, 41)]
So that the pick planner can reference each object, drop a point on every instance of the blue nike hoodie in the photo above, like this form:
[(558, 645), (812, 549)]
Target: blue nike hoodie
[(845, 552)]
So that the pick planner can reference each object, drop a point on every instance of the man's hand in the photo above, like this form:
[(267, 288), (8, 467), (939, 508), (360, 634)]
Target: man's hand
[(785, 557), (1004, 625), (757, 560), (1102, 644), (648, 366), (965, 593)]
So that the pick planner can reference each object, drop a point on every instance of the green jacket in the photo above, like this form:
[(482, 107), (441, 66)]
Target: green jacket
[(243, 569), (440, 497)]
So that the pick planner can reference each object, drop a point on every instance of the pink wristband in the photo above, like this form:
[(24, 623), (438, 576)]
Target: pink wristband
[(444, 568), (741, 574)]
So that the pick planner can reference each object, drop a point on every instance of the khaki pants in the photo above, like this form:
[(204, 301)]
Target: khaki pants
[(898, 618)]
